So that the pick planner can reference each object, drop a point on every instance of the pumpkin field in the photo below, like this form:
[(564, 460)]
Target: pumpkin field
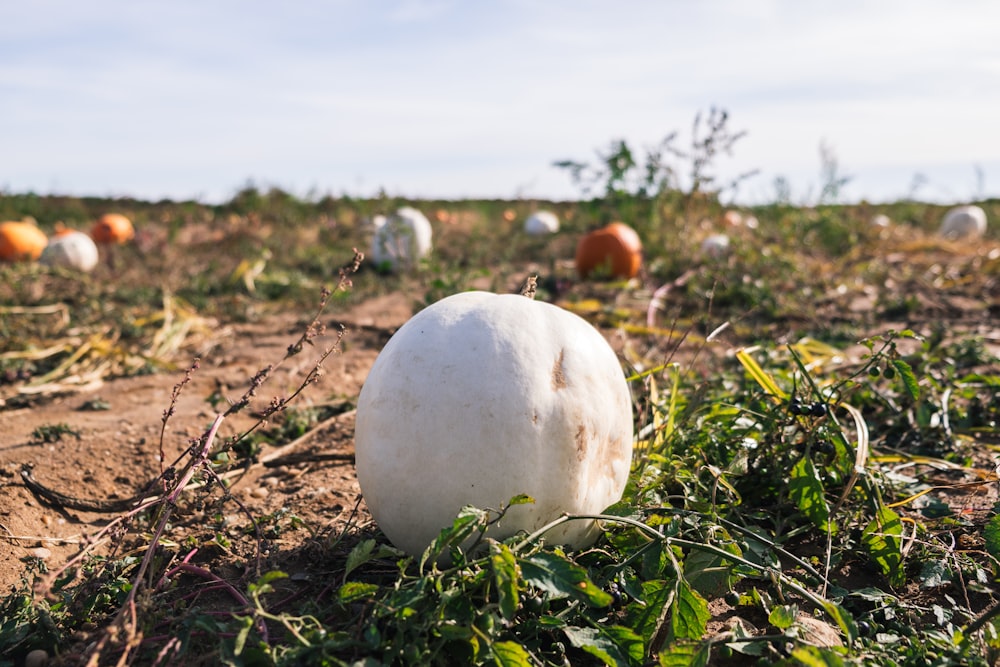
[(807, 477)]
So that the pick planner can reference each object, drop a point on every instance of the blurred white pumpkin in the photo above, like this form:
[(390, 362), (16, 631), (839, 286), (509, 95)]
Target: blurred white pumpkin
[(715, 245), (401, 239), (732, 218), (967, 222), (541, 222), (71, 250), (881, 220), (481, 397)]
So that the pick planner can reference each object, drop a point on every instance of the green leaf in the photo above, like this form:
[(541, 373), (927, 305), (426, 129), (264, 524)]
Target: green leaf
[(353, 591), (882, 538), (688, 613), (643, 617), (909, 379), (613, 645), (520, 499), (991, 533), (783, 616), (685, 654), (450, 632), (627, 640), (752, 646), (806, 491), (263, 584), (473, 644), (506, 576), (468, 521), (656, 561), (709, 573), (360, 554), (843, 619), (239, 643), (872, 594), (934, 574), (561, 578), (510, 654), (814, 656), (845, 455)]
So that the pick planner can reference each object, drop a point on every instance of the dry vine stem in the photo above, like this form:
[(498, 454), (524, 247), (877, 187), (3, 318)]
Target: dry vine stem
[(123, 632)]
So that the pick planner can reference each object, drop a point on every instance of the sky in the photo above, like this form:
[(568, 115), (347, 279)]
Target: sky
[(428, 99)]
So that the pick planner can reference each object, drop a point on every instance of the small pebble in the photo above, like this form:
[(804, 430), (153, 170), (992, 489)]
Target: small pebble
[(259, 492), (41, 553)]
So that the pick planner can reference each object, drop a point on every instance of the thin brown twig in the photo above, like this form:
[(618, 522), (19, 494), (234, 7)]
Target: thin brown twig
[(286, 449), (168, 413), (75, 539)]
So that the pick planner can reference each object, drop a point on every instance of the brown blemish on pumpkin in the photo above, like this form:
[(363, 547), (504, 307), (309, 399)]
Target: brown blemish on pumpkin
[(581, 442), (558, 376), (610, 453), (616, 453)]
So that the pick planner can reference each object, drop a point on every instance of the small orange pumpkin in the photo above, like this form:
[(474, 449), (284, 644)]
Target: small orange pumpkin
[(62, 230), (21, 241), (112, 228), (616, 248)]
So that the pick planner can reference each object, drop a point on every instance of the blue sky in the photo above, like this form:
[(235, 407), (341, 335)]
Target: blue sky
[(451, 99)]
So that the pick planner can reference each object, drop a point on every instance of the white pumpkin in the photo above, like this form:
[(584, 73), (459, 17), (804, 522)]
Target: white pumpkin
[(732, 218), (540, 223), (71, 250), (481, 397), (716, 245), (964, 222), (401, 239), (881, 221)]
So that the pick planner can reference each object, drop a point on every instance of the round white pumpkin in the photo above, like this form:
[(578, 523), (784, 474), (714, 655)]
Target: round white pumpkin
[(71, 250), (481, 397), (964, 222), (401, 239), (881, 221), (715, 245), (540, 223)]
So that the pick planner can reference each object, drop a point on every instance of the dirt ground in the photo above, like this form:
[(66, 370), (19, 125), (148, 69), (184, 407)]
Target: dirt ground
[(116, 449)]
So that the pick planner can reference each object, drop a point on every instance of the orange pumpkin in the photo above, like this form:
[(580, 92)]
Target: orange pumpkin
[(615, 248), (62, 230), (20, 241), (112, 228)]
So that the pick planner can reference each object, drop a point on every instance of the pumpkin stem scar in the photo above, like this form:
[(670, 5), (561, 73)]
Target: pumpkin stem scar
[(558, 376)]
